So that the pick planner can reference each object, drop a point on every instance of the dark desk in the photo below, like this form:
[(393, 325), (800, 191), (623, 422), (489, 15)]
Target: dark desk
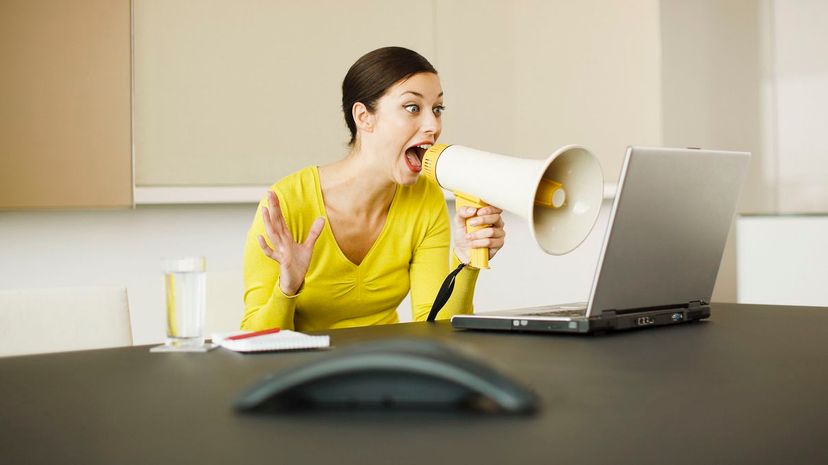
[(748, 386)]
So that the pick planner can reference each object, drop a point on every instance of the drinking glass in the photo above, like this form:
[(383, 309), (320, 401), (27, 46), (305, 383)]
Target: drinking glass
[(185, 287)]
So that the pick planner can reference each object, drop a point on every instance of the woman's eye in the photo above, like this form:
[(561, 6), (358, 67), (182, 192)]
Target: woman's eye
[(439, 110), (412, 108)]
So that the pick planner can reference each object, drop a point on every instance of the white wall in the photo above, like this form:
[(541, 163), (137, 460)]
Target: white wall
[(783, 260), (124, 248), (715, 69), (800, 38)]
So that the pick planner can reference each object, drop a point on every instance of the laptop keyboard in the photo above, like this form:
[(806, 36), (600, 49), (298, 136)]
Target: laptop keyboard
[(561, 310)]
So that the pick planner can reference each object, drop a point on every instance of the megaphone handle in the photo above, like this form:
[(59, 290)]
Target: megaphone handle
[(479, 257)]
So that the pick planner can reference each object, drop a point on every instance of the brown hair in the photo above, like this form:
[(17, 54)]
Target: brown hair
[(370, 77)]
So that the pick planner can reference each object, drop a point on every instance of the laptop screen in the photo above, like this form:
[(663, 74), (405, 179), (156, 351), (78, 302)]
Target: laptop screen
[(668, 227)]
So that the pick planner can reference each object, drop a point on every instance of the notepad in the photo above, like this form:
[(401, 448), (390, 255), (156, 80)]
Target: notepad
[(283, 340)]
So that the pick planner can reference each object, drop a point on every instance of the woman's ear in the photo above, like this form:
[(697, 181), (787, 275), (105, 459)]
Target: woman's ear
[(363, 117)]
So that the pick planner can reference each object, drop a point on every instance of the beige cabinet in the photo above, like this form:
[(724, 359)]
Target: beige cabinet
[(244, 92), (65, 116), (240, 93)]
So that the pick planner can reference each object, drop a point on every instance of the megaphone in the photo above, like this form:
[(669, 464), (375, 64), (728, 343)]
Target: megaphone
[(560, 197)]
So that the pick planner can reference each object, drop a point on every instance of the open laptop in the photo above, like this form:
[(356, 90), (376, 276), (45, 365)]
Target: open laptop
[(667, 231)]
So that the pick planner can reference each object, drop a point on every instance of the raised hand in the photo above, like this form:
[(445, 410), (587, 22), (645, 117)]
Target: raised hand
[(293, 258), (491, 237)]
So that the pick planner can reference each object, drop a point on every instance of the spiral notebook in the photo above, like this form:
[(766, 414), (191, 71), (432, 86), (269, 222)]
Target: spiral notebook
[(282, 340)]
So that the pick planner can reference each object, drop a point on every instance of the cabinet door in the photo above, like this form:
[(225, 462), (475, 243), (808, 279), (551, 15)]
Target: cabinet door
[(234, 93), (244, 92), (65, 117)]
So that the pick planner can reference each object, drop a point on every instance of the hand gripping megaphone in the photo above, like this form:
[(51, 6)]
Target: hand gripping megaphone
[(560, 197)]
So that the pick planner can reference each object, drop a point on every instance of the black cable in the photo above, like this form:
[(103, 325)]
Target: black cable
[(445, 292)]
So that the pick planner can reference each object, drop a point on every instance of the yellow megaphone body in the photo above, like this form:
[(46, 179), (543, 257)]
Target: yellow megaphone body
[(560, 197)]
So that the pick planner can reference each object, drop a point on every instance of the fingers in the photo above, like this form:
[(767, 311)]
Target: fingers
[(494, 219), (275, 228), (486, 215), (486, 244), (273, 232), (266, 248), (460, 217), (491, 237), (488, 237), (274, 221), (486, 233), (489, 217), (489, 210), (493, 245), (277, 218), (466, 212), (315, 231)]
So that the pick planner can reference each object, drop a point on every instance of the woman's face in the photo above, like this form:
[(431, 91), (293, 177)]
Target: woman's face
[(407, 122)]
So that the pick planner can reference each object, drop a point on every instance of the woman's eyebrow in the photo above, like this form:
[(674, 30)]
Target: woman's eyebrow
[(418, 94)]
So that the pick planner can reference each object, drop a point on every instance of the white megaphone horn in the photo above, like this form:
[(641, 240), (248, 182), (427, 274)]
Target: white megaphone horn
[(560, 197)]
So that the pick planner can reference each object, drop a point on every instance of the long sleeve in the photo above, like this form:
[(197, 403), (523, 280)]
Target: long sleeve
[(429, 267), (265, 305), (410, 254)]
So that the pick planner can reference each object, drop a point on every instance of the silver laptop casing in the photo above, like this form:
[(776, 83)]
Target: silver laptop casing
[(665, 237)]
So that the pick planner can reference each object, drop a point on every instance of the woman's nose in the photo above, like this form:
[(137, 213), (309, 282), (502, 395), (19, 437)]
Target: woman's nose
[(431, 124)]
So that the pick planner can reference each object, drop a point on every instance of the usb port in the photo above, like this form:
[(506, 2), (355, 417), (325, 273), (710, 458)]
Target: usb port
[(645, 320)]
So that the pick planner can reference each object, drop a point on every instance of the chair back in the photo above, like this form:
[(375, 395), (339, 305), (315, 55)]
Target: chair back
[(225, 305), (62, 319)]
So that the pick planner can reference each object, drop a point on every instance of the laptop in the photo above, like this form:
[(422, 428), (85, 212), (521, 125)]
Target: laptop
[(662, 249)]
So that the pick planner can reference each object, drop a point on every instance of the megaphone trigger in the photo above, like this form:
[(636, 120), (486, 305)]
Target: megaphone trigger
[(479, 257)]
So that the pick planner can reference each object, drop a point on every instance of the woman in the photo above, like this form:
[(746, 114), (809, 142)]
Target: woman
[(341, 245)]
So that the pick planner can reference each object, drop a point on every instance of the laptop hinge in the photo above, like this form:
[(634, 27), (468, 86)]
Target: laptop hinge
[(608, 319), (692, 305), (698, 309)]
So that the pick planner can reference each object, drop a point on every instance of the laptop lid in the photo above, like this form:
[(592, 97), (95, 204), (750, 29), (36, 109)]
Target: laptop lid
[(667, 228)]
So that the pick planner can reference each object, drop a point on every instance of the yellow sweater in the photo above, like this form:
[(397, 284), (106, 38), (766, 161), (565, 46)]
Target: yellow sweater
[(410, 253)]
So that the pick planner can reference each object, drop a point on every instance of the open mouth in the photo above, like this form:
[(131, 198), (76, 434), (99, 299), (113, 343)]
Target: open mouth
[(414, 156)]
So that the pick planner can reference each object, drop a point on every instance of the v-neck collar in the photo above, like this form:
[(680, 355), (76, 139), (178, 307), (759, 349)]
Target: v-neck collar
[(321, 205)]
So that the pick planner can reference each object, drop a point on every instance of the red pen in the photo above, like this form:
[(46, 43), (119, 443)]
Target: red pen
[(253, 334)]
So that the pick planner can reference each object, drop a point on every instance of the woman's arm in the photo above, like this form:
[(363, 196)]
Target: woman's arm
[(429, 267), (267, 303)]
